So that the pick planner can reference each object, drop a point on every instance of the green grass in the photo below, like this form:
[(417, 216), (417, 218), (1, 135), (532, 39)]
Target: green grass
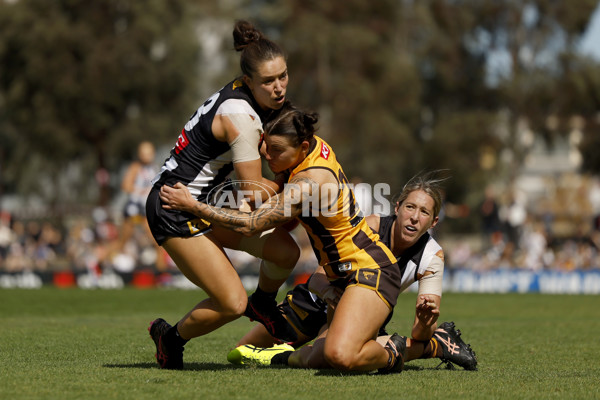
[(78, 344)]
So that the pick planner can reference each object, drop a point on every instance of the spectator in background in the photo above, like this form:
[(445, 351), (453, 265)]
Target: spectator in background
[(534, 245), (137, 183), (514, 214), (490, 218), (6, 236), (594, 199)]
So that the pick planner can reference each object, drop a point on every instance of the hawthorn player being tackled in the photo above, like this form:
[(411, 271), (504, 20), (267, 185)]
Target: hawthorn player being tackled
[(307, 313)]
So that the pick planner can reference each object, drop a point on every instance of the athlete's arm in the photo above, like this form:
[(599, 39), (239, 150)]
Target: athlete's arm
[(373, 222), (320, 285), (429, 298), (242, 133), (278, 210)]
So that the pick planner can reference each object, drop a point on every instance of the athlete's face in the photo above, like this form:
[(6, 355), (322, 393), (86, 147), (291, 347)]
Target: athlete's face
[(269, 83), (414, 217), (281, 154)]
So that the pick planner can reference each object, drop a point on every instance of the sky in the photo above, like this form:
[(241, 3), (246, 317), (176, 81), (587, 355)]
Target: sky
[(590, 44)]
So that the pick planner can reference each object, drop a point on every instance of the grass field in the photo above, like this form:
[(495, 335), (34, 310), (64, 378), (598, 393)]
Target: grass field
[(78, 344)]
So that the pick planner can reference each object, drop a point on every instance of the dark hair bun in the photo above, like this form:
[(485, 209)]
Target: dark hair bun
[(310, 119), (245, 33), (305, 124)]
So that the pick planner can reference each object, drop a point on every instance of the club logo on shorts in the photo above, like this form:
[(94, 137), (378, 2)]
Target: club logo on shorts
[(368, 274), (197, 225)]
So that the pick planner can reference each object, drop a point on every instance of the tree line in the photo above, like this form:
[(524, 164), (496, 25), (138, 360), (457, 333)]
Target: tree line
[(400, 85)]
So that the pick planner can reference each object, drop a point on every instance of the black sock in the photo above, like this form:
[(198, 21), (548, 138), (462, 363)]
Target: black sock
[(281, 358), (172, 337), (261, 295)]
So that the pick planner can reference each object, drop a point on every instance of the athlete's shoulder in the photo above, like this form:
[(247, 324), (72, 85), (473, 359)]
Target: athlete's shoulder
[(235, 86), (433, 248), (373, 220), (236, 89), (322, 155), (323, 149), (387, 219), (236, 98)]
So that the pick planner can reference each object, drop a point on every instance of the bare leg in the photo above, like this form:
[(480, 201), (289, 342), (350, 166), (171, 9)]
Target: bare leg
[(348, 347), (258, 336), (126, 233), (276, 247), (202, 260), (310, 356), (344, 346), (161, 264), (414, 349)]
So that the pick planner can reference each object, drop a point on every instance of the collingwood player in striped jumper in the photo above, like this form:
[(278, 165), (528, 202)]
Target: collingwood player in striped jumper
[(222, 137)]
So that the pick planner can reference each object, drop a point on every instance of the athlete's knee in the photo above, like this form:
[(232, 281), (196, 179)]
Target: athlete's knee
[(288, 256), (338, 358), (234, 306), (293, 256), (237, 308), (285, 254)]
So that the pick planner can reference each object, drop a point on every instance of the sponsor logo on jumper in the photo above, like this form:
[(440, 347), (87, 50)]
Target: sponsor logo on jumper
[(325, 151)]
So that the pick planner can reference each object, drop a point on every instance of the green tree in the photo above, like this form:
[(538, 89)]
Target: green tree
[(411, 85), (346, 61), (82, 83)]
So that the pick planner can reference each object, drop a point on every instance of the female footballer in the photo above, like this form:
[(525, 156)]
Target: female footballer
[(222, 137)]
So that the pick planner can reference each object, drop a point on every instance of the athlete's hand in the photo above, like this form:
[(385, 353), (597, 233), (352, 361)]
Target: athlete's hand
[(428, 310), (177, 197), (245, 206), (332, 296)]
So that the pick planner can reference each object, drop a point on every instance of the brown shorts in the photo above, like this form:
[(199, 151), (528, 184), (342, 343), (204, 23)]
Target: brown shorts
[(385, 281)]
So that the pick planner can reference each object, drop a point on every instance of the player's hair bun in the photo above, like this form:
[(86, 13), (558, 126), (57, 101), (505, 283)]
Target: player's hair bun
[(304, 122), (245, 33)]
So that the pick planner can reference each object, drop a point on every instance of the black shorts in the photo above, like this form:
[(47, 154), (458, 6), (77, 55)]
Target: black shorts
[(385, 281), (304, 311), (171, 223)]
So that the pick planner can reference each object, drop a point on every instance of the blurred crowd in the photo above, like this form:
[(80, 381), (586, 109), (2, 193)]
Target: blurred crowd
[(85, 243), (560, 231), (557, 230), (93, 244)]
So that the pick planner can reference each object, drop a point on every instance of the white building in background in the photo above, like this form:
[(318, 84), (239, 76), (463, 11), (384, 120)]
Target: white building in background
[(549, 183)]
